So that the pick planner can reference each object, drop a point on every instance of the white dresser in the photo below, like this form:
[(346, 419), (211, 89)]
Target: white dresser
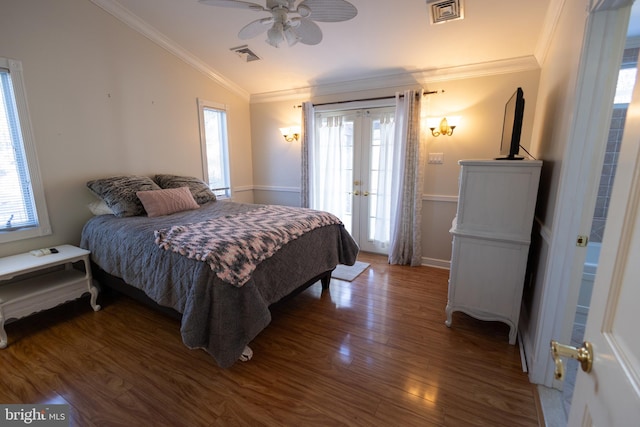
[(491, 237)]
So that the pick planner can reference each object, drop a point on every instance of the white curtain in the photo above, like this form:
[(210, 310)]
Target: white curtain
[(330, 181), (407, 185), (383, 168), (306, 141)]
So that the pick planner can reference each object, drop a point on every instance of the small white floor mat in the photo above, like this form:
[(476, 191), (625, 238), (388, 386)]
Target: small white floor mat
[(348, 273)]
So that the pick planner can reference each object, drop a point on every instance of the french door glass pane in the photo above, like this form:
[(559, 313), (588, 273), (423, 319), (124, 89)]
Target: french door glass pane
[(347, 174), (379, 150)]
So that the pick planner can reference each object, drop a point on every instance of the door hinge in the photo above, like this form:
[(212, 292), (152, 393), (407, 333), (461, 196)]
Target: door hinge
[(582, 241)]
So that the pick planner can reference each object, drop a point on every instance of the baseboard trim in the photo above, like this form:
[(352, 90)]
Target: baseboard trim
[(539, 408), (436, 263)]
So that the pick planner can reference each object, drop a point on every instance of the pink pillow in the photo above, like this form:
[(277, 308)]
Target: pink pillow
[(168, 201)]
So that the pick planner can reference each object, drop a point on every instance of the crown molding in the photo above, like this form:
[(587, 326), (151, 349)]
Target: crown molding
[(549, 27), (483, 69), (410, 78), (131, 20)]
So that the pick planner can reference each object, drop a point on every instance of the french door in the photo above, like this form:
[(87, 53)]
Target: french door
[(350, 169)]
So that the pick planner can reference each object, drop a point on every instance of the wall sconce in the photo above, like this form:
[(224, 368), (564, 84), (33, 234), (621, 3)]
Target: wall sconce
[(445, 127), (291, 133)]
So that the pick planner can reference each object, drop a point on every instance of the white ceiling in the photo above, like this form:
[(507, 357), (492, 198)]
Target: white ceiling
[(386, 38)]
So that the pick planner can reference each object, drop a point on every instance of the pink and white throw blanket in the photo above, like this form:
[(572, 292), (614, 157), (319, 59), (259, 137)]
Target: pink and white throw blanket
[(234, 245)]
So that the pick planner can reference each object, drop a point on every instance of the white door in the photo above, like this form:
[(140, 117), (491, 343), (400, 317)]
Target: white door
[(348, 167), (610, 394)]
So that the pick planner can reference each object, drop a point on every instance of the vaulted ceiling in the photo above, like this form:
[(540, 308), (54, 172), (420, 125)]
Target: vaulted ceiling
[(387, 39)]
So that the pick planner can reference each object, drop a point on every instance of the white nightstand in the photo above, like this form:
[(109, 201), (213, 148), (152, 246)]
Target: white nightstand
[(39, 292)]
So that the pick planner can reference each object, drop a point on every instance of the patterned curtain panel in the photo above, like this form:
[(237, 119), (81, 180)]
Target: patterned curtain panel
[(406, 218), (307, 135)]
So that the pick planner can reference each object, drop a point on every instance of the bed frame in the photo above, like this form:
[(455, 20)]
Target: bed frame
[(117, 284)]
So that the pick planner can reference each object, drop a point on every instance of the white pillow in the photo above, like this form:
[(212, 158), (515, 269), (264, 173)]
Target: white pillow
[(99, 207)]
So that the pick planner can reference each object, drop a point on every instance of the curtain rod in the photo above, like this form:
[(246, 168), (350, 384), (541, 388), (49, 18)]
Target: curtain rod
[(370, 99)]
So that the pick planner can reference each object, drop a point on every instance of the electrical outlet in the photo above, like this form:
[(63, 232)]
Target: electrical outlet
[(436, 158)]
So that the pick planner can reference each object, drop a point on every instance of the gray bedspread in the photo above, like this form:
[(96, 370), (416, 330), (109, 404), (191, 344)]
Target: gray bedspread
[(216, 316)]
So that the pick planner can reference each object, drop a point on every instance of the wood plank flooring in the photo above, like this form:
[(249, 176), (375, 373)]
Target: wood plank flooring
[(372, 352)]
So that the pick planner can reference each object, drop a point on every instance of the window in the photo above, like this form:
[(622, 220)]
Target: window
[(214, 145), (23, 212), (624, 88)]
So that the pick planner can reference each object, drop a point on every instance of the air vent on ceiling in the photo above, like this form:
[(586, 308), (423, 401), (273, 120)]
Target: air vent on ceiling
[(245, 53), (445, 10)]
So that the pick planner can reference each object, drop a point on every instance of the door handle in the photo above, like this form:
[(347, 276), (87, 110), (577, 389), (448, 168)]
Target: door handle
[(356, 193), (584, 355), (365, 194)]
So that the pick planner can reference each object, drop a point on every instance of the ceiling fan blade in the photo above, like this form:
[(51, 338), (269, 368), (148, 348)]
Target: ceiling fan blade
[(234, 3), (255, 28), (308, 31), (330, 10)]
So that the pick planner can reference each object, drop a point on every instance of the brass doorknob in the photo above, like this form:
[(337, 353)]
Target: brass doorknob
[(356, 193), (584, 355), (365, 194)]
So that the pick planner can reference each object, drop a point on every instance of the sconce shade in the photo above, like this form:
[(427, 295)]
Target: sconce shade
[(444, 127), (291, 133)]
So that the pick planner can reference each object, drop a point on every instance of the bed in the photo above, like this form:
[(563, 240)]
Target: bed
[(222, 309)]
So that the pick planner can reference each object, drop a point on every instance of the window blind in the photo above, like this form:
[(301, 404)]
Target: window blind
[(17, 205)]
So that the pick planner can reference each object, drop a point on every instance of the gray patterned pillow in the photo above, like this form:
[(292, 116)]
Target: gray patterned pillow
[(199, 189), (119, 193)]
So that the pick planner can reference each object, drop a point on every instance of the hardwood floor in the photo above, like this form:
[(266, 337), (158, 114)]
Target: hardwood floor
[(372, 352)]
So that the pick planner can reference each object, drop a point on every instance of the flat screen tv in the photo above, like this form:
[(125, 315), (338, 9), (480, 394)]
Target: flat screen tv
[(512, 127)]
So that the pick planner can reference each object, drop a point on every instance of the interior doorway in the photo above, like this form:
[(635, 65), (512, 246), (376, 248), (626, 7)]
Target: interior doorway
[(626, 83)]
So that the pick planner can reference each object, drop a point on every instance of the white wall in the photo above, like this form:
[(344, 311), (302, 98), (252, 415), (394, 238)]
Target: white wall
[(105, 100), (479, 100), (276, 162)]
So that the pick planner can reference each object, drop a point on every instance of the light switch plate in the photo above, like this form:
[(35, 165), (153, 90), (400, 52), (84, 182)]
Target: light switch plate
[(436, 158)]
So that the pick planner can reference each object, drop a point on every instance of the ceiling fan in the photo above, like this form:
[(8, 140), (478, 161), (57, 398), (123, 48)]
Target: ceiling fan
[(280, 27)]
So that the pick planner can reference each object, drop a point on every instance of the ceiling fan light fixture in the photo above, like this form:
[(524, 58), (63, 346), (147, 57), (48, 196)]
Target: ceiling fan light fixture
[(303, 11), (275, 35), (280, 26), (291, 36)]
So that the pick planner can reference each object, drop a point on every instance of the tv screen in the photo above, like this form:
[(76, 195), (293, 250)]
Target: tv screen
[(512, 126)]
